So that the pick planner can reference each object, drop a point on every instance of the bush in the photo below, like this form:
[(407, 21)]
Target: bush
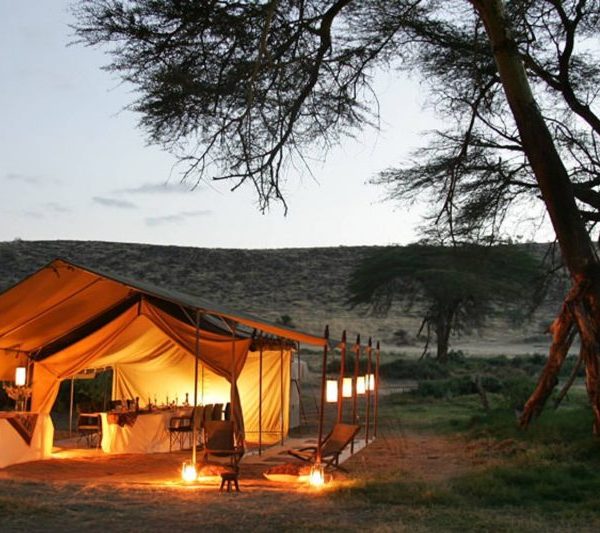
[(413, 369), (447, 387), (515, 392)]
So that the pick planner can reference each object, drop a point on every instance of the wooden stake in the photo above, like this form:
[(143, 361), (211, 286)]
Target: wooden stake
[(377, 359), (340, 405), (369, 354), (355, 387), (323, 385)]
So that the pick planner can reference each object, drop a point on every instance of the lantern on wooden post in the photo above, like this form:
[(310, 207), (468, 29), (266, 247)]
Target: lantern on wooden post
[(347, 388), (361, 384), (331, 391)]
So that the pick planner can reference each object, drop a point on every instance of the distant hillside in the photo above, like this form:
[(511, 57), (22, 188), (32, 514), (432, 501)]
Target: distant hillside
[(307, 284)]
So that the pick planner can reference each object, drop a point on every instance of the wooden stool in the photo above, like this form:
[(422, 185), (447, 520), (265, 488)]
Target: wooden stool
[(229, 478)]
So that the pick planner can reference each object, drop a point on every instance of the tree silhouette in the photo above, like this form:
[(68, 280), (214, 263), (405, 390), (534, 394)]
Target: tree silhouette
[(455, 288)]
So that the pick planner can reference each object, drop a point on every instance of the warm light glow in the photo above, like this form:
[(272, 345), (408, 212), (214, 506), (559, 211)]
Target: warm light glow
[(347, 388), (331, 391), (361, 385), (371, 381), (188, 472), (20, 376), (317, 475)]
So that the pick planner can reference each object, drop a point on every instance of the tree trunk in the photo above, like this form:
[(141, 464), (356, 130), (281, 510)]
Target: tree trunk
[(555, 186), (443, 327), (563, 331)]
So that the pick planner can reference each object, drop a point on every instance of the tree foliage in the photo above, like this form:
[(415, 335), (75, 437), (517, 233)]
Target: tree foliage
[(476, 171), (454, 287), (242, 90)]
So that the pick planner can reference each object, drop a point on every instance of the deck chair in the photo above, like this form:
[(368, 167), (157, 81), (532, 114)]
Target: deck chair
[(219, 441), (332, 446)]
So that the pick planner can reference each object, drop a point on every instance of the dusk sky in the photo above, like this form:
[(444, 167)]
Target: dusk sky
[(73, 164)]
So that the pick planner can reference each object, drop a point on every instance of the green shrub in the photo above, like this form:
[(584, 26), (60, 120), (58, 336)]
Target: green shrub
[(515, 392), (414, 369)]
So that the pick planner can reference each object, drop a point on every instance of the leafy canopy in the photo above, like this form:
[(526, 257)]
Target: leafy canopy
[(469, 278)]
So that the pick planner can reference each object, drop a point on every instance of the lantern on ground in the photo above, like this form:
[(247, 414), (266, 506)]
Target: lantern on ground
[(188, 472), (347, 388), (331, 391), (317, 475), (361, 384), (20, 376)]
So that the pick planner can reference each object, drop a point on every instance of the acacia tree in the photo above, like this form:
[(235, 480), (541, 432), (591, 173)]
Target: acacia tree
[(455, 288), (242, 90)]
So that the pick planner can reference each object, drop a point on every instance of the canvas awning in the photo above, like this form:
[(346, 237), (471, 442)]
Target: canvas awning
[(66, 318)]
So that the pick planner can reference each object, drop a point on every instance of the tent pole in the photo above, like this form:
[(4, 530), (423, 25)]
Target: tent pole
[(355, 388), (340, 414), (281, 400), (194, 424), (369, 354), (377, 357), (260, 396), (323, 384), (234, 414), (71, 407)]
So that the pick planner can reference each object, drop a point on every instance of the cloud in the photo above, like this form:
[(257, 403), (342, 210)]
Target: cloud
[(177, 218), (114, 202), (34, 214), (30, 180), (159, 188), (57, 208)]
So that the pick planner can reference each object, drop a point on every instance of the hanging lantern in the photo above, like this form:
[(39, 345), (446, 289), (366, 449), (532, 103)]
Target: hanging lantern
[(331, 391), (317, 475), (188, 472), (371, 381), (347, 388), (20, 376), (361, 384)]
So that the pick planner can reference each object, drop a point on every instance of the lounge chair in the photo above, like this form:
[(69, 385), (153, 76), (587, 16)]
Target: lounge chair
[(332, 446), (219, 441)]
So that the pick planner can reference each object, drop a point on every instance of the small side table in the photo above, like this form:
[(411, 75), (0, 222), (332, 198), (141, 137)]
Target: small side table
[(227, 478)]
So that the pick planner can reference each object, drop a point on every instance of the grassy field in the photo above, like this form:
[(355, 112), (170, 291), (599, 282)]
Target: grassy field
[(440, 463)]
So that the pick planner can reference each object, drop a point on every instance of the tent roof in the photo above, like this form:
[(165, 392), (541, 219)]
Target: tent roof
[(63, 301)]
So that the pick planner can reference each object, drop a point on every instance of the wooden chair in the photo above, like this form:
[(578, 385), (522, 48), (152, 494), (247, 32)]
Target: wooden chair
[(217, 412), (89, 427), (220, 442), (332, 446), (181, 427)]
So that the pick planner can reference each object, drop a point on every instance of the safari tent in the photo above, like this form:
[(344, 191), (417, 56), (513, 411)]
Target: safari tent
[(65, 319)]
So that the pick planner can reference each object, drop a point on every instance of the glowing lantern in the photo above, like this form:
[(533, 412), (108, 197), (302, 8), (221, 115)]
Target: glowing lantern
[(347, 388), (361, 384), (331, 391), (371, 381), (20, 376), (317, 475), (188, 472)]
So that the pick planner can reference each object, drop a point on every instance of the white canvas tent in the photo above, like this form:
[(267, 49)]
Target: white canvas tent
[(66, 318)]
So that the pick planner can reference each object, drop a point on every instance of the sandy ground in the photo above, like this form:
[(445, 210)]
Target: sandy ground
[(143, 492)]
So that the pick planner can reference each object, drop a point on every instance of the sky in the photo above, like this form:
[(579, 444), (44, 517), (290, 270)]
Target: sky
[(74, 165)]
